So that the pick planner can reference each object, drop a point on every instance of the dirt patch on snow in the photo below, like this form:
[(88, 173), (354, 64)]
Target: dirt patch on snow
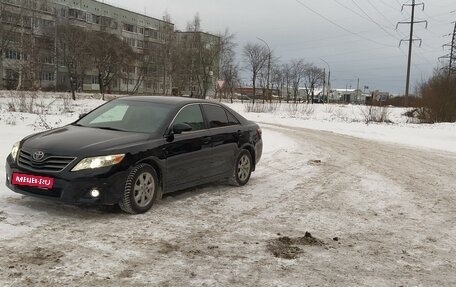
[(289, 248), (314, 162), (38, 256)]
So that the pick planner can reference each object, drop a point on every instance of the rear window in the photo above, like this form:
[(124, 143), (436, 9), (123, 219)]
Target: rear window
[(219, 117)]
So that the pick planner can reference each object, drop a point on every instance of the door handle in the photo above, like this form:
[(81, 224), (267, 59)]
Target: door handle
[(207, 140)]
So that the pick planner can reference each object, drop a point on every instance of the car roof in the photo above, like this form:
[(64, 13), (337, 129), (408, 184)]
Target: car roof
[(164, 99)]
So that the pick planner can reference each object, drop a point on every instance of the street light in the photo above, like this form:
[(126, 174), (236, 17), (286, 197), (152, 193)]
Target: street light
[(269, 66), (329, 79)]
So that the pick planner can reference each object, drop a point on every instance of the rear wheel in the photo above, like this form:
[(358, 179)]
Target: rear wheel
[(141, 189), (242, 169)]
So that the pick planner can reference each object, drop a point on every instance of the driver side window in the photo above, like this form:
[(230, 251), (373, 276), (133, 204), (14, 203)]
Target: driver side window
[(192, 116)]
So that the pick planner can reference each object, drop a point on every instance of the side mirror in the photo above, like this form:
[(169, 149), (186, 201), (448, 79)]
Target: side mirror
[(82, 115), (181, 127)]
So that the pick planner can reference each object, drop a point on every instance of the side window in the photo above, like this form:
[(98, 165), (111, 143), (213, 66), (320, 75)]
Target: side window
[(218, 117), (232, 120), (192, 116)]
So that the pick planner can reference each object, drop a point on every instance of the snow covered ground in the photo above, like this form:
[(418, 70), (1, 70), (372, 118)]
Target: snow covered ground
[(350, 120), (378, 213)]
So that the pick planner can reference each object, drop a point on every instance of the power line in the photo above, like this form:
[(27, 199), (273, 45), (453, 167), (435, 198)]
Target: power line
[(373, 21), (389, 6), (340, 26), (380, 13), (351, 10)]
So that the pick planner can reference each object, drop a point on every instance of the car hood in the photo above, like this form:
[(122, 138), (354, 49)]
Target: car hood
[(75, 140)]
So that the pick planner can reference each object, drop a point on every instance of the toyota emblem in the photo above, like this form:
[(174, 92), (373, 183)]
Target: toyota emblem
[(38, 156)]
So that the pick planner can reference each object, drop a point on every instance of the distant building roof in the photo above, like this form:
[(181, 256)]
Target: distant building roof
[(345, 90)]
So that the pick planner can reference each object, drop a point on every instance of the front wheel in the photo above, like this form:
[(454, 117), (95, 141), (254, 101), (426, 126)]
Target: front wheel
[(242, 169), (141, 189)]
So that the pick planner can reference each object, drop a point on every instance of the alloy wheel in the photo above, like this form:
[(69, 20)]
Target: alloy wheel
[(144, 189), (243, 168)]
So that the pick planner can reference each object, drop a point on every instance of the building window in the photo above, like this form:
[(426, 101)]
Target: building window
[(130, 41), (128, 27), (128, 82), (95, 19), (13, 55), (47, 76), (63, 12), (11, 74), (74, 13), (94, 80), (48, 59)]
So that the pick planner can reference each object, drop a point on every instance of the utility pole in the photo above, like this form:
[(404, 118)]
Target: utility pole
[(328, 91), (452, 55), (357, 92), (410, 40), (324, 83)]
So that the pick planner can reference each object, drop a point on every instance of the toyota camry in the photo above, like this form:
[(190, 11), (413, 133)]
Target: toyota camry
[(132, 150)]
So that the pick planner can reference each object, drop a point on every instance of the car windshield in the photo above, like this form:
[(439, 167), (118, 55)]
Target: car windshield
[(129, 116)]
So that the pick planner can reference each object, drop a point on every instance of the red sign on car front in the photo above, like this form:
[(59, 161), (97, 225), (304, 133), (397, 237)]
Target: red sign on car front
[(32, 180)]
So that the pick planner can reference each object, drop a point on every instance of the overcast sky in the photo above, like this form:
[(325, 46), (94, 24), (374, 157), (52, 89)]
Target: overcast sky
[(356, 37)]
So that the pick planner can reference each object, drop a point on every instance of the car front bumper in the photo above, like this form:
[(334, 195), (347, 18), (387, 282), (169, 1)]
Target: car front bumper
[(74, 187)]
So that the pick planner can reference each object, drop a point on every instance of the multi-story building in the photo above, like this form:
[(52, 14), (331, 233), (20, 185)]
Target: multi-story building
[(30, 58)]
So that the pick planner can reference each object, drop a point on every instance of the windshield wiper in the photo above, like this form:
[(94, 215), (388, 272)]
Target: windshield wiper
[(109, 129)]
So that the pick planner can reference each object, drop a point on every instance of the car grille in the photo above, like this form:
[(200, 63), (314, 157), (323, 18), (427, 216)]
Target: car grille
[(49, 164)]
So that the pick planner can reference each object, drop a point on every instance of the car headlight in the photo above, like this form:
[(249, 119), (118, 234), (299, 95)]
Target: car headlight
[(15, 150), (98, 161)]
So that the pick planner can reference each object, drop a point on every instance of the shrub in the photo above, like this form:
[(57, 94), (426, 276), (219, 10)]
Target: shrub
[(261, 108), (376, 114), (438, 99)]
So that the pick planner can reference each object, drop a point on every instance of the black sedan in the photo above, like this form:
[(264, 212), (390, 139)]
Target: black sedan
[(131, 150)]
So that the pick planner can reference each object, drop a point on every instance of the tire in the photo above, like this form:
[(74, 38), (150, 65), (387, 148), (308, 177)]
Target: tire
[(242, 169), (141, 189)]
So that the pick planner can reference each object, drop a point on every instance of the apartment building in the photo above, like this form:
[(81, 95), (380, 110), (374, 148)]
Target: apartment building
[(40, 19)]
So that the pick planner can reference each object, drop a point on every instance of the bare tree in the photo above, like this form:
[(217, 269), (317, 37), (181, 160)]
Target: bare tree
[(195, 24), (229, 69), (286, 72), (206, 54), (38, 47), (255, 57), (73, 47), (110, 55), (9, 24), (313, 77), (277, 80), (195, 59), (297, 69), (166, 52)]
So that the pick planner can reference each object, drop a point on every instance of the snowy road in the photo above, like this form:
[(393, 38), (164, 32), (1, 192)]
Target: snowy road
[(378, 214)]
